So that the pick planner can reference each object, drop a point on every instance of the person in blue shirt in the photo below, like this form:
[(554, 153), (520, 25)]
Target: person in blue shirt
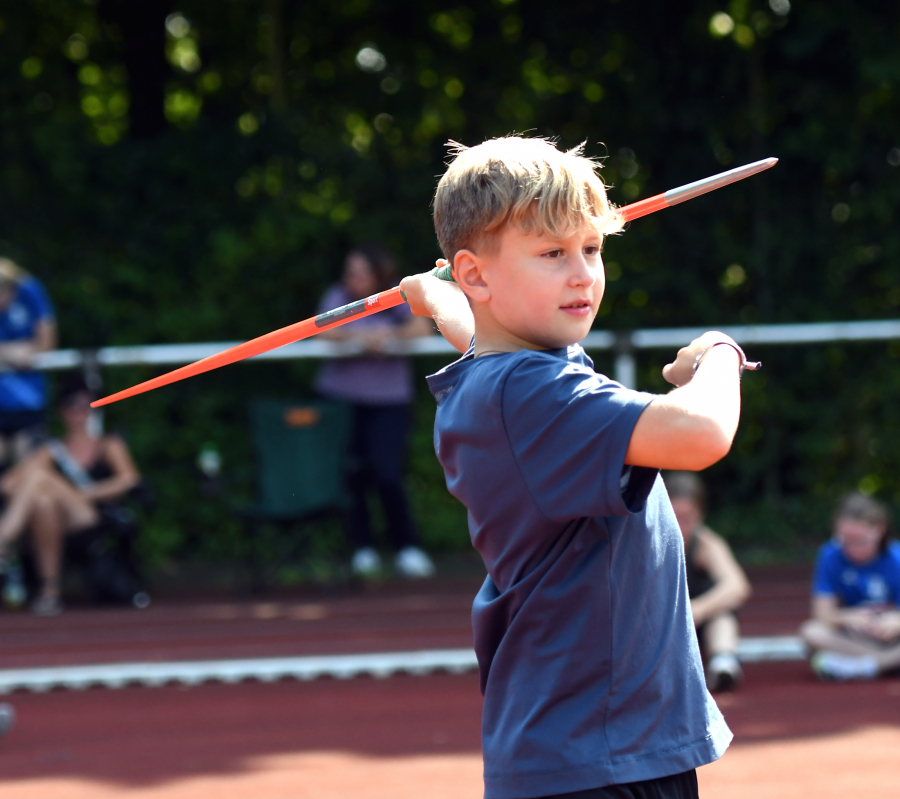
[(590, 669), (854, 632), (27, 327)]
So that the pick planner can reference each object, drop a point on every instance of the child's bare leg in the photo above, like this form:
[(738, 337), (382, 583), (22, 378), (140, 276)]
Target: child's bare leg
[(820, 636), (48, 532), (889, 659), (721, 634)]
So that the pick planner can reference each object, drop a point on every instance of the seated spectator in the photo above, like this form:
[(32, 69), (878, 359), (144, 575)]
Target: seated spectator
[(380, 389), (854, 632), (27, 327), (717, 586), (61, 489)]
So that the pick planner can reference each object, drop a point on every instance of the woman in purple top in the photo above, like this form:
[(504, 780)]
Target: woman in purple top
[(380, 389)]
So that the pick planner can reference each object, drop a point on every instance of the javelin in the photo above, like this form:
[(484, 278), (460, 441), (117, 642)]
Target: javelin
[(393, 297)]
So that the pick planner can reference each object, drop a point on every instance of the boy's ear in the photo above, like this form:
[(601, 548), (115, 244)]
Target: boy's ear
[(468, 271)]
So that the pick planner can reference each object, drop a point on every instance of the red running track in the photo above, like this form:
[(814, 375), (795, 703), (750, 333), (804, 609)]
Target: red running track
[(385, 618)]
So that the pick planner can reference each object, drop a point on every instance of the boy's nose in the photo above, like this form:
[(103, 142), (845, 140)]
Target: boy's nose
[(583, 273)]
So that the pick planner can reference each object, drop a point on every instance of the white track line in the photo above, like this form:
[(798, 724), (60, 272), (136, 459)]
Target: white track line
[(342, 667)]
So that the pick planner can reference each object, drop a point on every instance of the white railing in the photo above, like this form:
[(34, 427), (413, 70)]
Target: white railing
[(624, 343)]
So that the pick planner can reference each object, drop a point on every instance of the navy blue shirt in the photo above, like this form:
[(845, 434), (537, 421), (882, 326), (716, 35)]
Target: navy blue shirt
[(24, 390), (589, 662), (876, 583)]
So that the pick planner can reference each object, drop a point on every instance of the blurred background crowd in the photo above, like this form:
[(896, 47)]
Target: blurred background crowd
[(190, 172)]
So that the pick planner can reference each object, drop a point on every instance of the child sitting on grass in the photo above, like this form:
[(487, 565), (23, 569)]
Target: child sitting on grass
[(854, 632), (590, 670)]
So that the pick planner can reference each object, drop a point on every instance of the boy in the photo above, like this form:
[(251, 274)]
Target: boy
[(590, 670), (855, 626), (717, 585)]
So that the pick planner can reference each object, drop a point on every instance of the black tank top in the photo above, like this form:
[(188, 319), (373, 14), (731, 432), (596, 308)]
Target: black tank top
[(698, 579)]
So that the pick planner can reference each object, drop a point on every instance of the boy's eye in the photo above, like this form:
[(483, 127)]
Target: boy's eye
[(553, 253)]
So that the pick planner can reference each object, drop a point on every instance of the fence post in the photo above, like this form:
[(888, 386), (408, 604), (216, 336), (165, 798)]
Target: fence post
[(93, 379), (625, 367)]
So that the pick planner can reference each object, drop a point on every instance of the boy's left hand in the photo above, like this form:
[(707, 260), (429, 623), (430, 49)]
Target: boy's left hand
[(681, 370)]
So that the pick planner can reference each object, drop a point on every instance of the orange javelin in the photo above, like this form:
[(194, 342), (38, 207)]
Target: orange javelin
[(393, 297)]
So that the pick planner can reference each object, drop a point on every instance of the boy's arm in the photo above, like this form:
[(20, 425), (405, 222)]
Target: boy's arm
[(691, 427), (443, 302)]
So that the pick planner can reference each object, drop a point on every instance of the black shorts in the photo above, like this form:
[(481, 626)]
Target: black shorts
[(677, 786)]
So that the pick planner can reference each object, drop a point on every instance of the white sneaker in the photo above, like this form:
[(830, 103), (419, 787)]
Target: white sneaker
[(366, 562), (723, 672), (841, 667), (413, 563)]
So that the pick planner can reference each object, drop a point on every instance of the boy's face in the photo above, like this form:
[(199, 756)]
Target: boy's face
[(535, 291), (858, 539)]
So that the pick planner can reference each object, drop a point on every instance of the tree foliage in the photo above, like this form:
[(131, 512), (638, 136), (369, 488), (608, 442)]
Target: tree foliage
[(193, 171)]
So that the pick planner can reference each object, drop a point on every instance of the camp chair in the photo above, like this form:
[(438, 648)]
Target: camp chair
[(300, 460)]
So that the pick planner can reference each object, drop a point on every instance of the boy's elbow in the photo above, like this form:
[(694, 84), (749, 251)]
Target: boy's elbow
[(711, 443)]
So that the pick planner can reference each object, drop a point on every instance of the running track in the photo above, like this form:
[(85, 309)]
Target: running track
[(365, 738)]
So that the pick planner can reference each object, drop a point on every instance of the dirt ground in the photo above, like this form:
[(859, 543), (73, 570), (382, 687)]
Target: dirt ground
[(410, 737)]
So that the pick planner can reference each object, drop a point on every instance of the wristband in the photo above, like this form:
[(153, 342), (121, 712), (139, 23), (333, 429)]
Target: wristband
[(745, 364)]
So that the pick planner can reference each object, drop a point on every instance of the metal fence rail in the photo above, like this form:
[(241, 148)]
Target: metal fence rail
[(624, 343)]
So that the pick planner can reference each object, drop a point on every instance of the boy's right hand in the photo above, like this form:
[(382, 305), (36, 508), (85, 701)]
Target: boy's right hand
[(681, 370), (415, 289), (443, 302)]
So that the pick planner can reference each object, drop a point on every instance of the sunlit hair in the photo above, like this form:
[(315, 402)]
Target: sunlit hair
[(868, 510), (686, 485), (10, 274), (525, 182)]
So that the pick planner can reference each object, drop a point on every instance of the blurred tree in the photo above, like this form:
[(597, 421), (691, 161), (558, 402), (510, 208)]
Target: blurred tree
[(140, 33), (181, 171)]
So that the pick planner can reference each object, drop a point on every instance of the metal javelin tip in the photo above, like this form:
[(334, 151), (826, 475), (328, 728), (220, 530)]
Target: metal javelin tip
[(691, 190)]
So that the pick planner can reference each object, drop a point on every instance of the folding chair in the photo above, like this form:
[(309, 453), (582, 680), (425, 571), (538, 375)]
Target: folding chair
[(300, 463)]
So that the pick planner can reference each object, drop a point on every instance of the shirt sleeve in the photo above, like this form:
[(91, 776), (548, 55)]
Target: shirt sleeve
[(825, 576), (32, 295), (894, 580), (569, 429)]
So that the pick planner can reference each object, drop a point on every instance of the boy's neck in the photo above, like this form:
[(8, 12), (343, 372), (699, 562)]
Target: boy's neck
[(491, 339)]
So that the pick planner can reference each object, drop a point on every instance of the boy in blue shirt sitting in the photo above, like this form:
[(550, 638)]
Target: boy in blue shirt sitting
[(592, 679), (854, 631)]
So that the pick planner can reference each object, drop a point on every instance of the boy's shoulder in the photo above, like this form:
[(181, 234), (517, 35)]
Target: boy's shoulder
[(830, 553), (492, 371)]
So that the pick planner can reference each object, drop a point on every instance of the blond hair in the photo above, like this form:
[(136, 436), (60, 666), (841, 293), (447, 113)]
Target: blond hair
[(10, 274), (525, 182)]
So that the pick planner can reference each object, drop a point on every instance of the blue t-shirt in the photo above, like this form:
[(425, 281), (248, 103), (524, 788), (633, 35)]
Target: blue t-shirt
[(876, 583), (24, 390), (589, 662)]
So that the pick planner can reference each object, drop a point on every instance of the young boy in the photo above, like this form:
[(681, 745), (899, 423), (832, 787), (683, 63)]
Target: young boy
[(590, 670), (854, 631), (717, 585)]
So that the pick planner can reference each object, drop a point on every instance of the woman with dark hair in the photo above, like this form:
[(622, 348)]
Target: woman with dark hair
[(854, 632), (379, 386), (59, 490), (717, 585)]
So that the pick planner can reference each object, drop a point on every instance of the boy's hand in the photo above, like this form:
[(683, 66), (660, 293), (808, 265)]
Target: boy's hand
[(415, 289), (681, 370), (443, 302)]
